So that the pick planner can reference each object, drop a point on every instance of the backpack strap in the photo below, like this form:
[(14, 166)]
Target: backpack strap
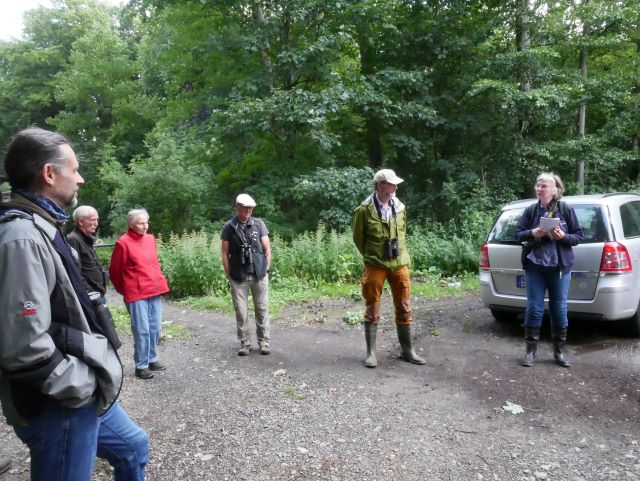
[(531, 210), (564, 209)]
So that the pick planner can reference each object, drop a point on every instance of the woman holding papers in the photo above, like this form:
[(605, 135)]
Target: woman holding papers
[(548, 229)]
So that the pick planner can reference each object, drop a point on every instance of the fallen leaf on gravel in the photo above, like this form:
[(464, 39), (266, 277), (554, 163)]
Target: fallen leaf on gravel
[(513, 408), (280, 372), (206, 457), (303, 450)]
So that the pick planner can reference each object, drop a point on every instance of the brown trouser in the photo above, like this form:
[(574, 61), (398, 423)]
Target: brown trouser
[(372, 283)]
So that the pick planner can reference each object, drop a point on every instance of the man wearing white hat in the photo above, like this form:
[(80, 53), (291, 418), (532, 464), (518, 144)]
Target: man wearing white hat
[(246, 257), (379, 228)]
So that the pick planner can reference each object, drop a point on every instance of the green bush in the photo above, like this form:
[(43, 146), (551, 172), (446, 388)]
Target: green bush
[(320, 256), (192, 264)]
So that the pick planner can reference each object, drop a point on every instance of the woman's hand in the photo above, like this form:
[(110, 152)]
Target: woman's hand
[(538, 233), (557, 233)]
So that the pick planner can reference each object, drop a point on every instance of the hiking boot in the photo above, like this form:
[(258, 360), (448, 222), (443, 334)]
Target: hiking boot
[(559, 338), (370, 334), (264, 348), (144, 373), (157, 366), (531, 336), (245, 349), (407, 352)]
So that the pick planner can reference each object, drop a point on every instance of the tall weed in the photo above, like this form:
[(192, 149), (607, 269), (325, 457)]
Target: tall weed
[(191, 263)]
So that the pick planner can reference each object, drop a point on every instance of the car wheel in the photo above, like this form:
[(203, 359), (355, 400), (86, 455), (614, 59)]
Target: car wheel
[(503, 316), (632, 325)]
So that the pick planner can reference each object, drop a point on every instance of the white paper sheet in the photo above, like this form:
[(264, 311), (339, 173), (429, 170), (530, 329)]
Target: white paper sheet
[(547, 224)]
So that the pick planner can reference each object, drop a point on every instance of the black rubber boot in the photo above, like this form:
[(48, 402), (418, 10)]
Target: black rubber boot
[(404, 336), (559, 337), (531, 336), (370, 334)]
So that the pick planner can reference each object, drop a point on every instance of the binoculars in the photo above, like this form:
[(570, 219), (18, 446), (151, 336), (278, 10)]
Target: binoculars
[(392, 248)]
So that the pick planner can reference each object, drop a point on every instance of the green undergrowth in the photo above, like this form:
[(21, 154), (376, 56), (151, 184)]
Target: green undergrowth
[(170, 329)]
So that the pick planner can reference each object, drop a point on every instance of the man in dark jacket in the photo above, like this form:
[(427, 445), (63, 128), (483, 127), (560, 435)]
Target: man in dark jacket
[(82, 240), (60, 375), (246, 257)]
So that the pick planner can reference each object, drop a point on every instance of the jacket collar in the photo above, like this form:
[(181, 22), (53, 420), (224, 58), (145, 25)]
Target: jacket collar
[(397, 203), (19, 202), (134, 235), (89, 239)]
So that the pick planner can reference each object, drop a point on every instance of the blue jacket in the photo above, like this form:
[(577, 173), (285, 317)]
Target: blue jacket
[(546, 251)]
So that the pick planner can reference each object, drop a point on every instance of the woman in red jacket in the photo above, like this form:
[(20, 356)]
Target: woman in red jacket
[(135, 273)]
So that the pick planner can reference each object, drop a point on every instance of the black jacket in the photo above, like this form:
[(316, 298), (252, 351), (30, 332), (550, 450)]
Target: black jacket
[(92, 272)]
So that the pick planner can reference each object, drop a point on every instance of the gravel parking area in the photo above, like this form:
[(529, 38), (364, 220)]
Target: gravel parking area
[(311, 411)]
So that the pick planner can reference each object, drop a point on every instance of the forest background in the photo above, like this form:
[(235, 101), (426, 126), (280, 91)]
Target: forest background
[(179, 105)]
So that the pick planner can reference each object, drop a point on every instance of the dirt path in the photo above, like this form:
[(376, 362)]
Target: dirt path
[(312, 411)]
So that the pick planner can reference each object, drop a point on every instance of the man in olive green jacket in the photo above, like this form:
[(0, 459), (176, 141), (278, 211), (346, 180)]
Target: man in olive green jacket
[(379, 228)]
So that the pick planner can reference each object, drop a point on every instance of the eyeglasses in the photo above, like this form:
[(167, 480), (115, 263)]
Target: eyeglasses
[(543, 186)]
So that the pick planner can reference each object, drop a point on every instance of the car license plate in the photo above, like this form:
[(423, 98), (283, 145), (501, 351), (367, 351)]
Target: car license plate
[(520, 283)]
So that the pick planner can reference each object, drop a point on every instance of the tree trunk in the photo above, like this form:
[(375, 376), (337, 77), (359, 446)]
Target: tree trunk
[(372, 123), (636, 137), (582, 111), (523, 41), (264, 47)]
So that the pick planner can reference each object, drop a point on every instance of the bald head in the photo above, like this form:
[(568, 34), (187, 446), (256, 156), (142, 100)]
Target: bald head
[(86, 219)]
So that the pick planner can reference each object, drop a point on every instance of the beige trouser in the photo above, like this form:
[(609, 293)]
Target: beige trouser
[(240, 296)]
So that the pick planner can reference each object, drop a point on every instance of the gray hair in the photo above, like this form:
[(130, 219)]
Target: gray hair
[(557, 184), (133, 214), (29, 151), (82, 212)]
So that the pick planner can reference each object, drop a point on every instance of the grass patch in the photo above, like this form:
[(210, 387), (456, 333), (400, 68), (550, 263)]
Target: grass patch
[(170, 329), (291, 392), (290, 291)]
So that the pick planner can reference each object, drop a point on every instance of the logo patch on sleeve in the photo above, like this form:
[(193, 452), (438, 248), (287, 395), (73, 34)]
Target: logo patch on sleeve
[(29, 309)]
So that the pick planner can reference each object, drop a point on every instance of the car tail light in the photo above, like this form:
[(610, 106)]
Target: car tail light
[(615, 258), (484, 256)]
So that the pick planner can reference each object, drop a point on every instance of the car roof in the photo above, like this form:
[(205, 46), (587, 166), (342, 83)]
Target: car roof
[(616, 197)]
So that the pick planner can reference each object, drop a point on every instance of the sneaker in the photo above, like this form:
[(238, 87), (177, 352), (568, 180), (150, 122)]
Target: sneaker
[(245, 349), (157, 366), (144, 373), (264, 348)]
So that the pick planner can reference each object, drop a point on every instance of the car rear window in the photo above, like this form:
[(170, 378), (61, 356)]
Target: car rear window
[(589, 216), (630, 216)]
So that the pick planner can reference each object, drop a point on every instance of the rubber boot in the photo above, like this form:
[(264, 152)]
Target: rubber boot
[(531, 336), (559, 337), (404, 336), (370, 334)]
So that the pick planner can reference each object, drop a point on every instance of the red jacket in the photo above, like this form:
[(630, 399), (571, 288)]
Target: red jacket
[(135, 270)]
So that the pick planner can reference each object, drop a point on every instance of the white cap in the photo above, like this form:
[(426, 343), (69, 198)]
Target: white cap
[(245, 200), (387, 175)]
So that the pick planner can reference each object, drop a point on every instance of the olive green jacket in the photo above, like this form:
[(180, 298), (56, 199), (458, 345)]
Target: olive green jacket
[(370, 233)]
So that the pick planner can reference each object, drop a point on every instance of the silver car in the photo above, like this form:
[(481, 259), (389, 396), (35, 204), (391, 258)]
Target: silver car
[(605, 279)]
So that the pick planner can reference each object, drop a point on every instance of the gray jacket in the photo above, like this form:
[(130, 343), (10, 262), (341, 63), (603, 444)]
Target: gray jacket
[(34, 287)]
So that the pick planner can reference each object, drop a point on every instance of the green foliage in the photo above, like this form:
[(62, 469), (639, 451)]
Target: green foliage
[(170, 188), (312, 264), (192, 264), (322, 256), (353, 318), (330, 194), (178, 106)]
